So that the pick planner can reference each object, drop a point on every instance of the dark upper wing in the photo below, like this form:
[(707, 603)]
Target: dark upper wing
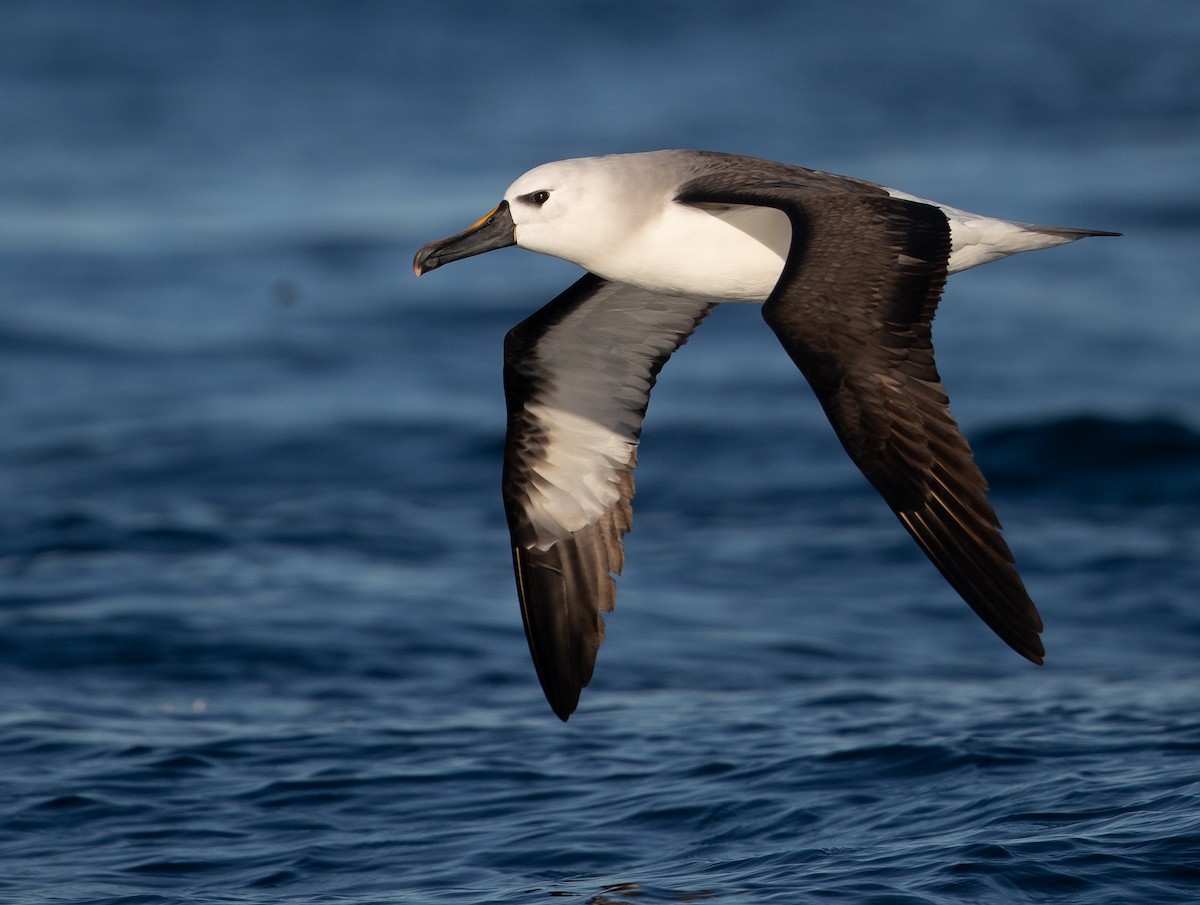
[(577, 377), (853, 308)]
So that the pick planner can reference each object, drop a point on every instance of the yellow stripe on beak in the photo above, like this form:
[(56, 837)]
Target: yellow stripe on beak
[(484, 219)]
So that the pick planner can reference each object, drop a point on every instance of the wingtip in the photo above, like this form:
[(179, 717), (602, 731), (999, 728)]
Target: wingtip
[(1026, 640), (1031, 648), (563, 698), (562, 705)]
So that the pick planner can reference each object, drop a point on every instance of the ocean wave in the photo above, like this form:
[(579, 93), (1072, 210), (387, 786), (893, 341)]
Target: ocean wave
[(1096, 459)]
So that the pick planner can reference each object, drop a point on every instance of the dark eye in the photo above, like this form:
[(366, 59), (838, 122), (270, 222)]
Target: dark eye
[(539, 198)]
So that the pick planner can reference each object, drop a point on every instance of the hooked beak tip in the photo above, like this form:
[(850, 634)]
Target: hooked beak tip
[(495, 230), (425, 260)]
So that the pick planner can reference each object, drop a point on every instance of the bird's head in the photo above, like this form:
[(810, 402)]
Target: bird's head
[(571, 209)]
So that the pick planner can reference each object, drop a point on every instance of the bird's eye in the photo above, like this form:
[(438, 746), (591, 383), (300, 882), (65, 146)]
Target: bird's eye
[(539, 198)]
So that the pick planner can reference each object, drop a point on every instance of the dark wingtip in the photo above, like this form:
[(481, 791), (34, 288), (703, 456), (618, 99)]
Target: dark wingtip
[(562, 713), (1037, 654), (1027, 644), (1037, 659), (563, 701)]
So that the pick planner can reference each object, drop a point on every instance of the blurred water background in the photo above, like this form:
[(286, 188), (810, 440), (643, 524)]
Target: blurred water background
[(258, 635)]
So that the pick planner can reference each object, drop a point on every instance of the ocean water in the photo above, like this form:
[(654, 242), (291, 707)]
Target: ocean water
[(258, 635)]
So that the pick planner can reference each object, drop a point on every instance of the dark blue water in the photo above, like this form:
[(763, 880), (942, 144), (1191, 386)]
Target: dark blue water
[(258, 635)]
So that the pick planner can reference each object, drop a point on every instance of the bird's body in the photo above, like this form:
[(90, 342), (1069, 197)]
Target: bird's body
[(849, 274)]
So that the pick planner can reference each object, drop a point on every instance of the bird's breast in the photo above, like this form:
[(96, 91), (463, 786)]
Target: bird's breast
[(730, 252)]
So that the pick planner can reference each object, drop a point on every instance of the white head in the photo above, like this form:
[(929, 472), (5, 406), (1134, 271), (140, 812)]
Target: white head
[(580, 210)]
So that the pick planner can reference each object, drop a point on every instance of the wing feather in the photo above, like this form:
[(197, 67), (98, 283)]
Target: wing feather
[(577, 379), (853, 308)]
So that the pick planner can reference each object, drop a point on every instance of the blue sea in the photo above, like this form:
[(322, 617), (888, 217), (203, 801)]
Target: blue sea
[(259, 638)]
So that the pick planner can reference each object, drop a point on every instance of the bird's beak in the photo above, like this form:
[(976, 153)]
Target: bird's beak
[(494, 230)]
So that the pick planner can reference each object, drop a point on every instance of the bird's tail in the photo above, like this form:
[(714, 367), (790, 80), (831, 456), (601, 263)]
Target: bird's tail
[(1066, 233), (977, 240)]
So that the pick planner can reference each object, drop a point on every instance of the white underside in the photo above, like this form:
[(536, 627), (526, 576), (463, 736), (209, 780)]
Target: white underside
[(735, 254), (596, 381), (575, 480)]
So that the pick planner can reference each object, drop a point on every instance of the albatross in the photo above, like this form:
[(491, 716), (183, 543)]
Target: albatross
[(849, 274)]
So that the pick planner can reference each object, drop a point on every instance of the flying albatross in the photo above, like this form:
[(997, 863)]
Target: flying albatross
[(849, 274)]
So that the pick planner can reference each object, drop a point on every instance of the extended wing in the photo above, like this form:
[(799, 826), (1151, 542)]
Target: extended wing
[(577, 378), (853, 308)]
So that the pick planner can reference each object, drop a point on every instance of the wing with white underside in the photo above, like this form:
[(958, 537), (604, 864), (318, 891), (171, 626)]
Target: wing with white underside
[(577, 378), (853, 308)]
